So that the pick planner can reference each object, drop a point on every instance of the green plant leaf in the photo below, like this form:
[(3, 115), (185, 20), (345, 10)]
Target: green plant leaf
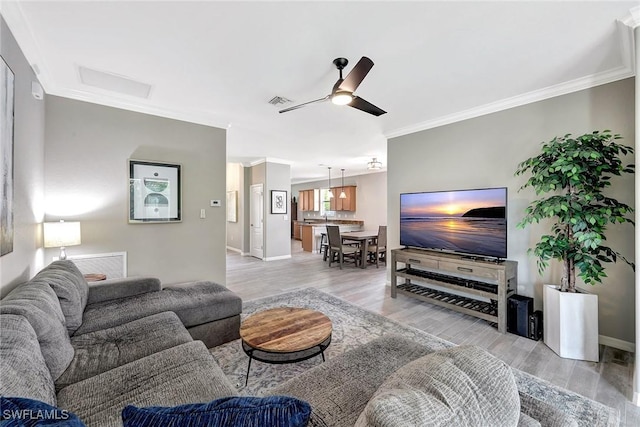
[(569, 177)]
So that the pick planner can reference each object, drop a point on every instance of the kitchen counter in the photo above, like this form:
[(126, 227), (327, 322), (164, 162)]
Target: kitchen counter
[(321, 221)]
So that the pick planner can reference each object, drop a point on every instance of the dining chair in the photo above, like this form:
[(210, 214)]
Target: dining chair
[(336, 248), (377, 251)]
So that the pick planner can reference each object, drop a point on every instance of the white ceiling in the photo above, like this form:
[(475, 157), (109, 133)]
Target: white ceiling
[(219, 63)]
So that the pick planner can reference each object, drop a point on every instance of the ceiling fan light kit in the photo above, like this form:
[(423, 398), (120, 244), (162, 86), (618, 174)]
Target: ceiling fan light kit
[(342, 92), (342, 98)]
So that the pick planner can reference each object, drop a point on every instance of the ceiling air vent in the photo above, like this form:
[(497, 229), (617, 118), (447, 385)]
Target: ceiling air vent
[(277, 100)]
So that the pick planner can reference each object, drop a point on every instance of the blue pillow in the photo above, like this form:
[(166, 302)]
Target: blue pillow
[(273, 411), (23, 412)]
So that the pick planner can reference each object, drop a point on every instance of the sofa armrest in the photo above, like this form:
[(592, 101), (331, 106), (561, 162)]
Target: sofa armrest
[(106, 290)]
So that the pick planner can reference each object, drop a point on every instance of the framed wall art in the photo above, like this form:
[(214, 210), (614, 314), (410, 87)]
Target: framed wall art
[(155, 193), (6, 157), (278, 202)]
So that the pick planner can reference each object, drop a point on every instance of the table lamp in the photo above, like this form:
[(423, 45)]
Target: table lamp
[(61, 234)]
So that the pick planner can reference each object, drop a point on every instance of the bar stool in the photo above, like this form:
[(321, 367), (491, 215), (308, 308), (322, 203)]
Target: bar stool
[(324, 246)]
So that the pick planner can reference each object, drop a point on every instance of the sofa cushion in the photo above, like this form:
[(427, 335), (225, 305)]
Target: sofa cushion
[(71, 288), (37, 302), (339, 389), (23, 412), (526, 421), (195, 303), (545, 414), (105, 290), (463, 386), (275, 411), (23, 370), (100, 351), (183, 374)]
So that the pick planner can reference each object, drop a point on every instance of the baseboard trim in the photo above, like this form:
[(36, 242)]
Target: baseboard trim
[(230, 248), (276, 258), (617, 343)]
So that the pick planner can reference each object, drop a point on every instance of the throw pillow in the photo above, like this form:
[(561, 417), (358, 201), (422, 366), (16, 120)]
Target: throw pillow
[(273, 411), (461, 386), (22, 412)]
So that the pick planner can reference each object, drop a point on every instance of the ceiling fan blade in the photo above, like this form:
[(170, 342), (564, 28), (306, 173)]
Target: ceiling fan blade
[(295, 107), (357, 74), (366, 106)]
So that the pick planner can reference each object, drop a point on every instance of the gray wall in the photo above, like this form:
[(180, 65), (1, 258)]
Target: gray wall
[(28, 169), (277, 226), (371, 198), (86, 156), (484, 152)]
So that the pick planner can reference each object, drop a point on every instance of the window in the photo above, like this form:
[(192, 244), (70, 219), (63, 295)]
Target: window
[(325, 203)]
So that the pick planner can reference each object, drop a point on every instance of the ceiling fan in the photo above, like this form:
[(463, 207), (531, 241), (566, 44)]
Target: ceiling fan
[(342, 92)]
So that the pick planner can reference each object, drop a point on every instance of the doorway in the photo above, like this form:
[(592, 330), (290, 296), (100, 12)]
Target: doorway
[(256, 219)]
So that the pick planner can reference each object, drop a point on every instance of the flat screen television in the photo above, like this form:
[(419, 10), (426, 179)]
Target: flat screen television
[(471, 222)]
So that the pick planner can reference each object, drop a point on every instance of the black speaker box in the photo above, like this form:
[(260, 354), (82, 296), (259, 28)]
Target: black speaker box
[(535, 325), (518, 310)]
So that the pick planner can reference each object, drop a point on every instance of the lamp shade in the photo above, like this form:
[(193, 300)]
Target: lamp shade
[(60, 234)]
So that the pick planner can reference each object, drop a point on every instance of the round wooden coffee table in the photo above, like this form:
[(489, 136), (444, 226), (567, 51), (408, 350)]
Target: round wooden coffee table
[(285, 335)]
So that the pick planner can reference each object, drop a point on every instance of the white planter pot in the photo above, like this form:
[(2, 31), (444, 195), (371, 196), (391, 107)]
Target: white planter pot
[(571, 323)]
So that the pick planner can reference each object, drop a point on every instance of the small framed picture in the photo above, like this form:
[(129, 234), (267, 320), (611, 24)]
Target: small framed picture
[(278, 202), (155, 194)]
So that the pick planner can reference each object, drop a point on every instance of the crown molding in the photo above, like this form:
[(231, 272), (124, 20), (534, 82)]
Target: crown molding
[(632, 20), (19, 26), (14, 17), (194, 116), (576, 85), (266, 160), (12, 13), (625, 28)]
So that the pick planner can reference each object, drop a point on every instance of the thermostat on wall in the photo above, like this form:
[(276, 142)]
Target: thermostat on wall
[(216, 203)]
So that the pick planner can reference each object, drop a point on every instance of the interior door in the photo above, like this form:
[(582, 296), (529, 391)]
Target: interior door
[(256, 218)]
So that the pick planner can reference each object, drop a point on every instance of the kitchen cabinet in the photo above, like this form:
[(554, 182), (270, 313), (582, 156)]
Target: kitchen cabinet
[(348, 204), (311, 233), (307, 237), (297, 232), (309, 200)]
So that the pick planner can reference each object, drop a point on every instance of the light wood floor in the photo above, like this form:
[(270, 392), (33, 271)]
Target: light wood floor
[(609, 381)]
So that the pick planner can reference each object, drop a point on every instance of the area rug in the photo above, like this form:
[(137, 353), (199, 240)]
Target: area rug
[(353, 327)]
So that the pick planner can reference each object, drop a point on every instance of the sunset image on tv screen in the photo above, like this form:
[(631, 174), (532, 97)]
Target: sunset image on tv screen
[(467, 221)]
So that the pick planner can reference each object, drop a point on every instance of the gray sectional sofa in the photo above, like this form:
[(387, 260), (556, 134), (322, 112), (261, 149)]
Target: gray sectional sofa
[(94, 348)]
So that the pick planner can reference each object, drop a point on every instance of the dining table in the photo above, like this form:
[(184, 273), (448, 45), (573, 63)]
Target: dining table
[(362, 237)]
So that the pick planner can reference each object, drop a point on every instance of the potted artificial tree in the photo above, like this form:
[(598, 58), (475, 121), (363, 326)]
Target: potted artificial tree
[(571, 175)]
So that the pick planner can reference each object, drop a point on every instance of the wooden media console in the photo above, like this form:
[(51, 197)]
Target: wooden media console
[(473, 286)]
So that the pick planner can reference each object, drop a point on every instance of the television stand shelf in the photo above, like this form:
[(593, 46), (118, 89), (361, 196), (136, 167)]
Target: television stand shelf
[(476, 287)]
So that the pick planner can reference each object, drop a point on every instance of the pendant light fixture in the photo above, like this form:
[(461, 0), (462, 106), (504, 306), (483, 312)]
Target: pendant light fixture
[(330, 192), (342, 194)]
